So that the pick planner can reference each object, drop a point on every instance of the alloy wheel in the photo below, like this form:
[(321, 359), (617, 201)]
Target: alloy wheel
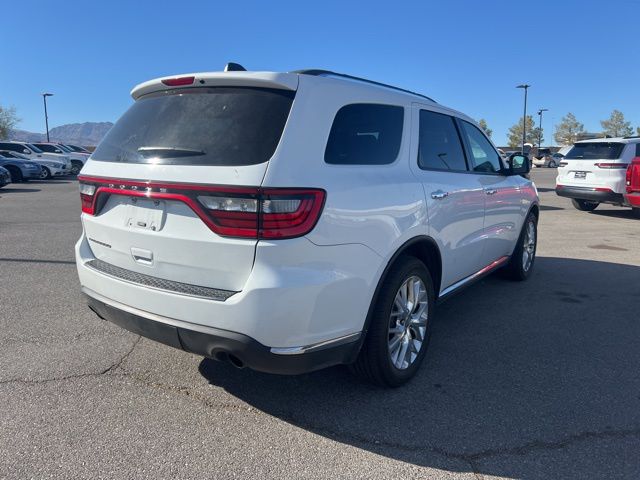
[(408, 322), (529, 246)]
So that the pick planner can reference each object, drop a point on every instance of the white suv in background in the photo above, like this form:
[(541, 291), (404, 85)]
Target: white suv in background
[(77, 159), (594, 172), (292, 221)]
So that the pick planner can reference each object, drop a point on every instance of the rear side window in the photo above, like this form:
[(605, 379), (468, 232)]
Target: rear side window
[(595, 151), (47, 148), (483, 156), (220, 126), (439, 145), (365, 134), (14, 147), (637, 149)]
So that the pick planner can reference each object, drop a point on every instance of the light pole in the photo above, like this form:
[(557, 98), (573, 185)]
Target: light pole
[(524, 118), (540, 127), (46, 118)]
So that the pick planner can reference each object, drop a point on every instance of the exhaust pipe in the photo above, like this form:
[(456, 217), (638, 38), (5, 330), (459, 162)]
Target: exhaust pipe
[(235, 361), (228, 358)]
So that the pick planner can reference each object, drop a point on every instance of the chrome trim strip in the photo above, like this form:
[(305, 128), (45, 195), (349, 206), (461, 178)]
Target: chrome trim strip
[(352, 337), (483, 271), (152, 316)]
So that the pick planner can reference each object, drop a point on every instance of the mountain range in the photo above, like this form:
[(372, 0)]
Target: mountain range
[(87, 134)]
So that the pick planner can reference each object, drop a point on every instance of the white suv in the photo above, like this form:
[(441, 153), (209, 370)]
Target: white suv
[(291, 221), (594, 172), (77, 159)]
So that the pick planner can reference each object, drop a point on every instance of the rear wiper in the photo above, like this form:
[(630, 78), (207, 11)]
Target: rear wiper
[(169, 152)]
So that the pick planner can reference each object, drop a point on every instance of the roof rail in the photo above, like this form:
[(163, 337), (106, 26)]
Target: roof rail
[(632, 136), (318, 73)]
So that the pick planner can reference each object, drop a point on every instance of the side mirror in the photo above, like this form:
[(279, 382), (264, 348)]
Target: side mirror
[(518, 164)]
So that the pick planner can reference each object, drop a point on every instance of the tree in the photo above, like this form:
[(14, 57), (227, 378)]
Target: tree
[(638, 131), (532, 134), (616, 125), (568, 129), (483, 125), (8, 120)]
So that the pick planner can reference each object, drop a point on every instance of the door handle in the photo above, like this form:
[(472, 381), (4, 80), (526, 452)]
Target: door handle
[(490, 191), (439, 195)]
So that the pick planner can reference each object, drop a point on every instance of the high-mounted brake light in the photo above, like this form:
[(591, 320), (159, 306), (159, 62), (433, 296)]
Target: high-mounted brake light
[(178, 81), (244, 212)]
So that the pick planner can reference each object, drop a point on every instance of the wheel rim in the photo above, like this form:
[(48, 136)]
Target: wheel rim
[(529, 246), (44, 174), (408, 322)]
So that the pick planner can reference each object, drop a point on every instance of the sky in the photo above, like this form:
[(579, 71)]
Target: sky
[(579, 56)]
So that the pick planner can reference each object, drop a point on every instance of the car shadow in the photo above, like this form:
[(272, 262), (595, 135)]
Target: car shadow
[(513, 369), (9, 189), (55, 181), (550, 208), (545, 189), (620, 213)]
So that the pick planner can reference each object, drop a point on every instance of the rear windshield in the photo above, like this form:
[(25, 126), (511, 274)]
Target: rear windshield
[(595, 151), (199, 126)]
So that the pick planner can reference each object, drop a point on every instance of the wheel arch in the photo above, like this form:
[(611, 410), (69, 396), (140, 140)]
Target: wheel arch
[(422, 247)]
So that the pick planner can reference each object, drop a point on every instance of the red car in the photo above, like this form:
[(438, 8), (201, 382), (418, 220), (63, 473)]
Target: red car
[(632, 194)]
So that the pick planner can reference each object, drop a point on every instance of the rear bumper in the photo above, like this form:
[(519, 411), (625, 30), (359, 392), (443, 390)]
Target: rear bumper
[(240, 350), (633, 199), (590, 194)]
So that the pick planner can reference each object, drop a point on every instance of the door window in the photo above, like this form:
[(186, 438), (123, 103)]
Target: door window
[(439, 143), (483, 156)]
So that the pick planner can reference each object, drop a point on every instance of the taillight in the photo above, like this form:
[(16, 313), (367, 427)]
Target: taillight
[(178, 81), (288, 213), (87, 192), (614, 166), (244, 212), (633, 176)]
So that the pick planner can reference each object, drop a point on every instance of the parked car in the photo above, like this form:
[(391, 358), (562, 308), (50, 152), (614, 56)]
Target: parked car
[(34, 154), (632, 181), (545, 160), (288, 222), (21, 170), (5, 177), (594, 172), (77, 159)]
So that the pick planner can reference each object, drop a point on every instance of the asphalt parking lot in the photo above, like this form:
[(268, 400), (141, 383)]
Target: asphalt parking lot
[(523, 380)]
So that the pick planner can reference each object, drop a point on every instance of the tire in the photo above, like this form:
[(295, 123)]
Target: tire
[(584, 205), (635, 212), (76, 166), (375, 363), (552, 164), (46, 174), (523, 257), (16, 175)]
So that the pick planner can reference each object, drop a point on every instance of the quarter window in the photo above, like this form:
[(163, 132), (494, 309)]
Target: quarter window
[(483, 156), (365, 134), (439, 145)]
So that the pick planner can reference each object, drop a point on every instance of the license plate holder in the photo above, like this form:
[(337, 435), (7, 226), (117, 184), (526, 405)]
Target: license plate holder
[(580, 175), (145, 214)]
